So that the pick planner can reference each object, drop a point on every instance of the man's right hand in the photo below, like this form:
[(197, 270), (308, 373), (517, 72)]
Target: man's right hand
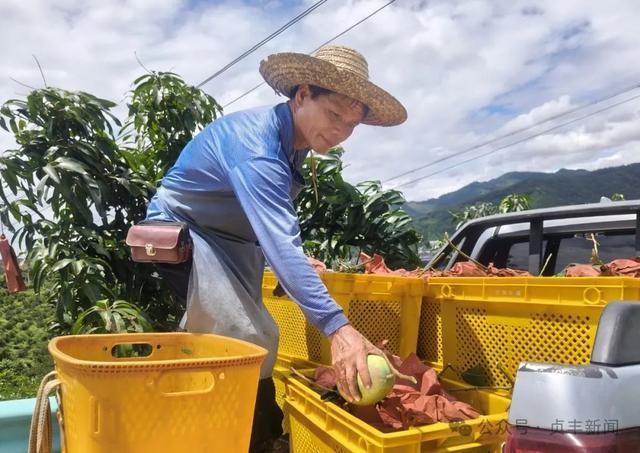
[(349, 351)]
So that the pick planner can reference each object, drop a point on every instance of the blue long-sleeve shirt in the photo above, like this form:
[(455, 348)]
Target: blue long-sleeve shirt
[(247, 159)]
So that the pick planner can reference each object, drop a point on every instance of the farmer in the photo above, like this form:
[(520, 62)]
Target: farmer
[(234, 185)]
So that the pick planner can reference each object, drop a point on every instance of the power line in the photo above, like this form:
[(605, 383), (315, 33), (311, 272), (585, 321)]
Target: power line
[(609, 107), (353, 26), (264, 41), (244, 94), (516, 132), (323, 44)]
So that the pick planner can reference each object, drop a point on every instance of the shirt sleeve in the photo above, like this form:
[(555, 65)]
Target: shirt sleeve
[(262, 187)]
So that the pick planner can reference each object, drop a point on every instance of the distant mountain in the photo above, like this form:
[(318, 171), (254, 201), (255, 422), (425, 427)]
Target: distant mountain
[(471, 191), (563, 187)]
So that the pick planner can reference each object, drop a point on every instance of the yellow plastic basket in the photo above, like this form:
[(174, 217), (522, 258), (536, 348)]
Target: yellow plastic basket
[(496, 323), (318, 426), (380, 307), (280, 378), (282, 373), (183, 393)]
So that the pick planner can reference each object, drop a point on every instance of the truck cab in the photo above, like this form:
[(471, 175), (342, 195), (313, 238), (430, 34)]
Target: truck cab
[(545, 241)]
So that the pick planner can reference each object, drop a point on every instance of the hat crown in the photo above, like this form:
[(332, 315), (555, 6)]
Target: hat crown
[(345, 59)]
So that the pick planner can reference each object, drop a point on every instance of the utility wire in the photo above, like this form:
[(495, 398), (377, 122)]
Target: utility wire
[(246, 93), (516, 132), (264, 41), (353, 26), (323, 44), (530, 137)]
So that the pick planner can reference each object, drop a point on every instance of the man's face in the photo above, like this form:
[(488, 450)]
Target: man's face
[(326, 120)]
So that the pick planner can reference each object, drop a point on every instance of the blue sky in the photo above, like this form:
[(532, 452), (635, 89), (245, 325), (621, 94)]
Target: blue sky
[(467, 71)]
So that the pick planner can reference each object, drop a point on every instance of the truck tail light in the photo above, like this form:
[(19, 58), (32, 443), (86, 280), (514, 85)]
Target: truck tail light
[(529, 440)]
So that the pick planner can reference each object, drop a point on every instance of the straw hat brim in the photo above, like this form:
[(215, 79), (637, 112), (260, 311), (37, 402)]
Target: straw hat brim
[(283, 71)]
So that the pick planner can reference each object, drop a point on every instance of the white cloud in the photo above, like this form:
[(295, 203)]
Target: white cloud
[(467, 71), (538, 114)]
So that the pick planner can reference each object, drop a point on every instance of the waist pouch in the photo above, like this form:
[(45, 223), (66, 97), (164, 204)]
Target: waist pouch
[(153, 241)]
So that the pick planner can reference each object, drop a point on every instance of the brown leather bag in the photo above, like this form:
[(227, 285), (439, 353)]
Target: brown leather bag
[(159, 242)]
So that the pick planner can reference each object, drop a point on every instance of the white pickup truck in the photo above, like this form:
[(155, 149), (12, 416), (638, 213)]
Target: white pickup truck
[(564, 408)]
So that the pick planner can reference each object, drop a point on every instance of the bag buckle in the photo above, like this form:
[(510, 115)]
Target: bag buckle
[(150, 249)]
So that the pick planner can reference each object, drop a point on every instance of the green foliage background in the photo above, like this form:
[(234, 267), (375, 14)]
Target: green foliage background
[(96, 176), (24, 334), (344, 220)]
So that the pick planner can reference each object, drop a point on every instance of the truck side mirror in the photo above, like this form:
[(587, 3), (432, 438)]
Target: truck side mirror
[(617, 340)]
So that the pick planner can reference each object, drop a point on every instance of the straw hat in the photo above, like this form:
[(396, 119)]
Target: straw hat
[(339, 69)]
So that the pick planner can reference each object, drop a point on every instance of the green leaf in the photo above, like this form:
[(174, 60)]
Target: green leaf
[(71, 165), (53, 249), (77, 266), (118, 322), (61, 264), (51, 173), (476, 376), (11, 179)]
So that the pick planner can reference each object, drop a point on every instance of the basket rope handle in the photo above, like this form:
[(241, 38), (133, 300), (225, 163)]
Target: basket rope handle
[(40, 435)]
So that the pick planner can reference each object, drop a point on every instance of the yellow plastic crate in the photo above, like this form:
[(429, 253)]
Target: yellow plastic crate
[(496, 323), (380, 307), (281, 375), (318, 426), (280, 378), (186, 393)]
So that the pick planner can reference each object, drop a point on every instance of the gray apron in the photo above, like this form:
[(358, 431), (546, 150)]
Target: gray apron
[(225, 284)]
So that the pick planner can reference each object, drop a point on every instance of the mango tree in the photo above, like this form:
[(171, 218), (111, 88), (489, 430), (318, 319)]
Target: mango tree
[(74, 187), (344, 220)]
